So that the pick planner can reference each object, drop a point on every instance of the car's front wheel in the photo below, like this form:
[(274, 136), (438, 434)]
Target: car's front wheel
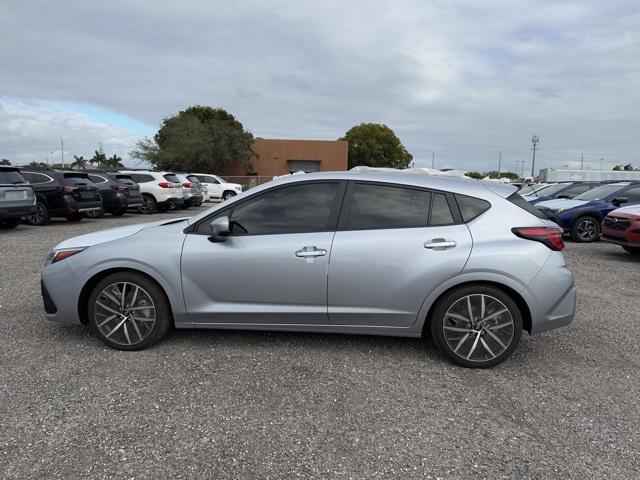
[(476, 326), (129, 311), (227, 195), (40, 216), (585, 229)]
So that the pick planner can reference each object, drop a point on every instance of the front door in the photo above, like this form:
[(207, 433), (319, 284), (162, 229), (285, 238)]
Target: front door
[(272, 269)]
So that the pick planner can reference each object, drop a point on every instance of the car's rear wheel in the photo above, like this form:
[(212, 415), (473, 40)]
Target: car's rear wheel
[(9, 223), (585, 229), (95, 213), (128, 311), (227, 195), (149, 205), (629, 249), (40, 216), (476, 326)]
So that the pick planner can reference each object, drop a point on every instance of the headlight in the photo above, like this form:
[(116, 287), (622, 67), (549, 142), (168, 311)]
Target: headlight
[(239, 188), (557, 210), (58, 255)]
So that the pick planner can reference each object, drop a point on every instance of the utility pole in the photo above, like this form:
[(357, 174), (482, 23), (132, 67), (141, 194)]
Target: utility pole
[(433, 160), (534, 140), (521, 167), (581, 162), (601, 160), (500, 164), (62, 151)]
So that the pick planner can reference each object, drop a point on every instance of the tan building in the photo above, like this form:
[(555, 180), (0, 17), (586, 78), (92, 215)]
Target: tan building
[(280, 157)]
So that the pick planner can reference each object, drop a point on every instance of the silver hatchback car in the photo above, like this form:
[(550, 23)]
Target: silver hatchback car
[(469, 263)]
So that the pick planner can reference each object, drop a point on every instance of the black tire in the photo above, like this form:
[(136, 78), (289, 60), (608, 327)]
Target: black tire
[(585, 229), (75, 217), (9, 223), (634, 250), (468, 341), (227, 195), (95, 214), (163, 316), (40, 217), (149, 205)]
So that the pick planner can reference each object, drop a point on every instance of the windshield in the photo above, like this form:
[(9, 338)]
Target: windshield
[(599, 193), (551, 189), (11, 177)]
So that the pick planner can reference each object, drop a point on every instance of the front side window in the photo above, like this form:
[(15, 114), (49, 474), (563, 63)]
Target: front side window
[(632, 195), (141, 177), (575, 190), (598, 193), (382, 206), (291, 209)]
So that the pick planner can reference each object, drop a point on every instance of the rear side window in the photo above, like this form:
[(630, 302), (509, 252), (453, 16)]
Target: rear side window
[(207, 179), (440, 211), (170, 177), (141, 177), (632, 195), (516, 199), (37, 177), (10, 177), (471, 207), (381, 206)]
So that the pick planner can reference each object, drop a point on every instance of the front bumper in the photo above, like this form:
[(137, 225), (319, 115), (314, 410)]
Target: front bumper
[(607, 237)]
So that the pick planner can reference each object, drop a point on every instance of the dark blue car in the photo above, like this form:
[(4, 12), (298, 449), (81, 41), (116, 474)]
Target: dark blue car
[(581, 216), (562, 190)]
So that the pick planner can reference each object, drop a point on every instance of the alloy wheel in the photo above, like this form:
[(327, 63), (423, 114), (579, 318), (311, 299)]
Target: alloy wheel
[(478, 328), (125, 313), (587, 229), (37, 216), (228, 195), (147, 206)]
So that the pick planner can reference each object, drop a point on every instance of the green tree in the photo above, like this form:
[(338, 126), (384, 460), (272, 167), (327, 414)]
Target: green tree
[(4, 161), (198, 138), (495, 174), (38, 164), (476, 175), (99, 159), (376, 145), (79, 162)]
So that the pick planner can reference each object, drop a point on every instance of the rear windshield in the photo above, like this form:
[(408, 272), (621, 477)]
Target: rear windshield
[(170, 177), (76, 179), (600, 192), (11, 177), (516, 199), (125, 180)]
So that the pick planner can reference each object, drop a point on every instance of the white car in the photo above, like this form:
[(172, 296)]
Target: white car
[(218, 189), (160, 191)]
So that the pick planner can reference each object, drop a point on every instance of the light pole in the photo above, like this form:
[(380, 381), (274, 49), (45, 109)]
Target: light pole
[(601, 161), (534, 140)]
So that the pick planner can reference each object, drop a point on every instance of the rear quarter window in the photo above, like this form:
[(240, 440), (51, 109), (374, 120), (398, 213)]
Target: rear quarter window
[(516, 199), (471, 207), (37, 178)]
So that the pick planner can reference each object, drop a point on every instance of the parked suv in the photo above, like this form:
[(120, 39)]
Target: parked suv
[(62, 194), (561, 190), (160, 190), (582, 215), (192, 189), (16, 197), (118, 194), (218, 188)]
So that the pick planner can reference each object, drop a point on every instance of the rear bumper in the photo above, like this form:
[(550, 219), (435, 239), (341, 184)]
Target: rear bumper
[(134, 201), (173, 201), (16, 211)]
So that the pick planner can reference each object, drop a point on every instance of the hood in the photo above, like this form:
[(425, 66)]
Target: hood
[(564, 203), (629, 210), (110, 234)]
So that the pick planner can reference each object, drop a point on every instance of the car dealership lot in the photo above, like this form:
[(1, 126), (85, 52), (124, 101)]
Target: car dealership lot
[(279, 405)]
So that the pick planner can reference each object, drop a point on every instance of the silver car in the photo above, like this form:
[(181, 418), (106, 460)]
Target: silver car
[(469, 263)]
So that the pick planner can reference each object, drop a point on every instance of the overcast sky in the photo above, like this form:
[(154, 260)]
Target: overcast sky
[(462, 79)]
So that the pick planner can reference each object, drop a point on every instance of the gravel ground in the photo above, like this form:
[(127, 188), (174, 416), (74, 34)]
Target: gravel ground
[(223, 404)]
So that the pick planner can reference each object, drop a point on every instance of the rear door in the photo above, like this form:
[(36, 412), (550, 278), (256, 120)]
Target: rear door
[(394, 244)]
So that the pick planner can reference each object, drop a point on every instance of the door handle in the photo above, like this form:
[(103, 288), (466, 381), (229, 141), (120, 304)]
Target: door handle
[(308, 252), (439, 244)]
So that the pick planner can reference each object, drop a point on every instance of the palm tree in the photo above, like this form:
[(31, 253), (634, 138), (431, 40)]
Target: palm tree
[(79, 162), (99, 159), (114, 162)]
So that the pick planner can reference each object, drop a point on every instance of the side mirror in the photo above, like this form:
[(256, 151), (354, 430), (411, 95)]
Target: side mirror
[(219, 229), (619, 201)]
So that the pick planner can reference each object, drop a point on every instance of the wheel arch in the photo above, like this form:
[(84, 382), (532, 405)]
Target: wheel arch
[(517, 298), (85, 293)]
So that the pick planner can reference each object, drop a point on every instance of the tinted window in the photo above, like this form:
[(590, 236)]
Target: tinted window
[(207, 179), (440, 211), (471, 207), (516, 199), (382, 206), (97, 179), (37, 177), (76, 179), (633, 194), (125, 180), (141, 177), (10, 177), (193, 179), (600, 192), (294, 209), (172, 178), (575, 190)]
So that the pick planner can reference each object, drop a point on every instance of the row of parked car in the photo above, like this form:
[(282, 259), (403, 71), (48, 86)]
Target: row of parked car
[(589, 211), (37, 195)]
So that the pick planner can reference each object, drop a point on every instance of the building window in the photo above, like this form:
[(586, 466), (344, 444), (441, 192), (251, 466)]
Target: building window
[(307, 166)]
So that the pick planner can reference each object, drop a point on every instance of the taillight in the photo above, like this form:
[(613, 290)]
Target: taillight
[(166, 185), (186, 185), (68, 189), (550, 236)]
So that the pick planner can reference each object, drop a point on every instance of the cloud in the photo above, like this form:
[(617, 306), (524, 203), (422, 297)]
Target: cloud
[(463, 79)]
